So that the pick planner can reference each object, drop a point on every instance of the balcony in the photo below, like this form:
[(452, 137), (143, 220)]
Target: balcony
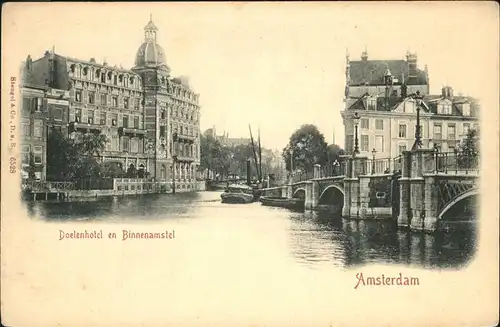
[(91, 125), (130, 131), (185, 158), (185, 137)]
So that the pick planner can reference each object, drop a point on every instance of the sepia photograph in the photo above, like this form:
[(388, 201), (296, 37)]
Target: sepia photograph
[(249, 164)]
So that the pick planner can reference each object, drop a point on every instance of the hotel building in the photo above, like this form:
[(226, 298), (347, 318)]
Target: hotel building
[(150, 118)]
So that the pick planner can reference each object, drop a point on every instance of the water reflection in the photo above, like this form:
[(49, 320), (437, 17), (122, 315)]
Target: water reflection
[(360, 242), (314, 239)]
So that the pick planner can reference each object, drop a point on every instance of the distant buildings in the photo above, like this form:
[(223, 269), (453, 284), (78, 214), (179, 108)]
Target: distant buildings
[(381, 92), (224, 139), (150, 118)]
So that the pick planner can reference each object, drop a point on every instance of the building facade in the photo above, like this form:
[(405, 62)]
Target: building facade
[(225, 140), (42, 107), (388, 112), (151, 119)]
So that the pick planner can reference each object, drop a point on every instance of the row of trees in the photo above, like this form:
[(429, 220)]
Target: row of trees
[(308, 145), (225, 160), (75, 159)]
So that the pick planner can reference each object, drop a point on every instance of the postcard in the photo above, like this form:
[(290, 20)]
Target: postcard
[(250, 164)]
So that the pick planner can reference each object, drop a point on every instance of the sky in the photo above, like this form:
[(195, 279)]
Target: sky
[(272, 65)]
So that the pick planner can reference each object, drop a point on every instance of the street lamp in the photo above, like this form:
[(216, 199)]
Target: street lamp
[(291, 162), (418, 137), (355, 119), (373, 161), (174, 157)]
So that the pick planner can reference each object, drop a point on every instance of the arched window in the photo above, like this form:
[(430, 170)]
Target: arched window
[(163, 171)]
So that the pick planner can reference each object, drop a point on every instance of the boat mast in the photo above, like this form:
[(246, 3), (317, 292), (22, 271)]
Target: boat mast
[(253, 151), (260, 159)]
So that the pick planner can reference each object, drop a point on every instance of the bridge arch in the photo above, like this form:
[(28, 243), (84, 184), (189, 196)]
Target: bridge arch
[(299, 193), (328, 190), (457, 199)]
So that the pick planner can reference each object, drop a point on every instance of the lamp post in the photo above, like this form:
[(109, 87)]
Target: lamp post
[(373, 160), (174, 157), (291, 162), (355, 119), (418, 136)]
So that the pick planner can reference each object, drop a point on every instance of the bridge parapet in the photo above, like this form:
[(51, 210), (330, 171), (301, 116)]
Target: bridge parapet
[(432, 181)]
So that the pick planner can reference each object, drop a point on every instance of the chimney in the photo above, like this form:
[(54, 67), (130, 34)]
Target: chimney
[(92, 60), (364, 55), (447, 92), (29, 63), (411, 59)]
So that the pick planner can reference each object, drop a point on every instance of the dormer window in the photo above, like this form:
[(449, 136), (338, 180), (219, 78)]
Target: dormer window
[(371, 103), (444, 108), (466, 109)]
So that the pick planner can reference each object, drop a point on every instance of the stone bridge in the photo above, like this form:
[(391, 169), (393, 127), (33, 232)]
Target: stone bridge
[(418, 193)]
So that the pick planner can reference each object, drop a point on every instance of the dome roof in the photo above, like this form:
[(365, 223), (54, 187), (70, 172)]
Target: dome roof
[(150, 54)]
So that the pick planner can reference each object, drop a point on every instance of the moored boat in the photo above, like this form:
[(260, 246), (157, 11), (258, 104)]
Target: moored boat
[(293, 203), (237, 194)]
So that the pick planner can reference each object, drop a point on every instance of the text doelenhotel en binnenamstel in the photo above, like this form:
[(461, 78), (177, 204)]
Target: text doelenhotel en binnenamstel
[(126, 234)]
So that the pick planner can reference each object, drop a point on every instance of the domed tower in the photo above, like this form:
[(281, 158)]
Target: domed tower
[(151, 65), (150, 54)]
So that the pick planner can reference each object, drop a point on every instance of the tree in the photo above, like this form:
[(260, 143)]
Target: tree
[(334, 152), (214, 156), (309, 148), (74, 159), (468, 149)]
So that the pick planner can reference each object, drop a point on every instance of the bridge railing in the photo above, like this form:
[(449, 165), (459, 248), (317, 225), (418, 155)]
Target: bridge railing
[(332, 170), (451, 162), (378, 166), (303, 176)]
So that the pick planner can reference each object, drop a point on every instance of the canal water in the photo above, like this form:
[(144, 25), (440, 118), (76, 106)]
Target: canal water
[(314, 240)]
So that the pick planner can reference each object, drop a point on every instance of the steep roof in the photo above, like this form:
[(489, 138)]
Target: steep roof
[(373, 71), (430, 103)]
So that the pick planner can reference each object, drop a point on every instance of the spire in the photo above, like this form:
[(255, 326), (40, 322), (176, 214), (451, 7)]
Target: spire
[(364, 54), (150, 30)]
